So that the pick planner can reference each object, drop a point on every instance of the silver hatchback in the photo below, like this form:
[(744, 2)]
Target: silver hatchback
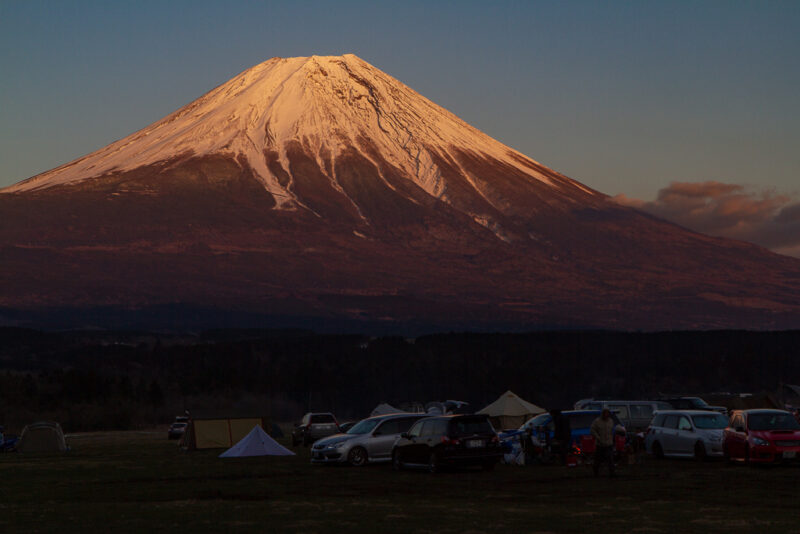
[(369, 440), (688, 433)]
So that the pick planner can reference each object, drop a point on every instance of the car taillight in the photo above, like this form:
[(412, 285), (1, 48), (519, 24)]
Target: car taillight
[(495, 439), (647, 430), (447, 441)]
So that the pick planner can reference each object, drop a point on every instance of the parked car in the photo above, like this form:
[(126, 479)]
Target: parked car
[(687, 433), (634, 415), (176, 430), (692, 403), (762, 436), (369, 440), (312, 427), (580, 422), (453, 440)]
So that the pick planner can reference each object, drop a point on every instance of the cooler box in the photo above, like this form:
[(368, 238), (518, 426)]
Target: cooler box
[(587, 444)]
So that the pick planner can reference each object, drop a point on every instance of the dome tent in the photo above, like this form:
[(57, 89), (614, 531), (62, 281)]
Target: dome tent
[(44, 436)]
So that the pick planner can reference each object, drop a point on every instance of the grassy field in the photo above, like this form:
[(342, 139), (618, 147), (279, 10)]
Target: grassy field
[(140, 481)]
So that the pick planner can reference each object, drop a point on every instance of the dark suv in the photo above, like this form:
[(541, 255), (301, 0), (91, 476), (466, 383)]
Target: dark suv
[(314, 426), (455, 440)]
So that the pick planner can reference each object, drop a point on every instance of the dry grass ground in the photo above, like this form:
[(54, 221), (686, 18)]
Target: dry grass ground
[(141, 482)]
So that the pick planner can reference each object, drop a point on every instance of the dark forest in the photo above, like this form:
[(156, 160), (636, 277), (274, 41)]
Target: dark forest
[(130, 380)]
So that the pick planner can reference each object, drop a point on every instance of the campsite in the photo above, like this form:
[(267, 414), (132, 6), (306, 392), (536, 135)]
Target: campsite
[(115, 395), (140, 481)]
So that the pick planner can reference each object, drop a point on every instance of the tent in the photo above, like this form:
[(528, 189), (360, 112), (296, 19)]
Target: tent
[(207, 432), (384, 409), (44, 436), (256, 443), (510, 411)]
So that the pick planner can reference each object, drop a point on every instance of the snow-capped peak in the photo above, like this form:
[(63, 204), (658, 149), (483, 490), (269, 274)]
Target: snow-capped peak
[(326, 103)]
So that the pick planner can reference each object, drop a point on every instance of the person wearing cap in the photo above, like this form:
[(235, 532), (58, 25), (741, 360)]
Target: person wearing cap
[(602, 430)]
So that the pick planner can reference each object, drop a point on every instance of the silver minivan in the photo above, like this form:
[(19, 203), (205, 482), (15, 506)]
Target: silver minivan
[(635, 415), (686, 433)]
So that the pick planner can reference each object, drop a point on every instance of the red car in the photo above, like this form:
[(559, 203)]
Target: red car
[(763, 436)]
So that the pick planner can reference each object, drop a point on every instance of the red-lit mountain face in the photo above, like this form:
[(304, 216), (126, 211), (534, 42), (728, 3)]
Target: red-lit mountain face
[(322, 187)]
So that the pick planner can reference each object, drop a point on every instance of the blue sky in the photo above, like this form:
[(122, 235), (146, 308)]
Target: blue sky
[(626, 97)]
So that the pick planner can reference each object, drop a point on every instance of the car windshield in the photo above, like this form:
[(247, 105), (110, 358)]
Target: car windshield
[(322, 419), (362, 427), (710, 422), (772, 421)]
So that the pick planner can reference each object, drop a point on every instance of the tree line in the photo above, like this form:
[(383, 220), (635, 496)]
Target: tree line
[(127, 380)]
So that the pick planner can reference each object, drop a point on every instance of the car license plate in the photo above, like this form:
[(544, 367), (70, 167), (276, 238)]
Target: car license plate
[(789, 454), (474, 443)]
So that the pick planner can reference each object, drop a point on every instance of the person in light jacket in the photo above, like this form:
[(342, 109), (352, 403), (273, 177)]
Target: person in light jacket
[(602, 430)]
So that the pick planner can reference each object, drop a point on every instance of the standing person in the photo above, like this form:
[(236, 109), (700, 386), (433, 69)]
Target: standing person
[(562, 435), (602, 430), (527, 446)]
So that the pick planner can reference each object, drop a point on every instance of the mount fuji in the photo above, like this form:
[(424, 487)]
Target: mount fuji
[(322, 189)]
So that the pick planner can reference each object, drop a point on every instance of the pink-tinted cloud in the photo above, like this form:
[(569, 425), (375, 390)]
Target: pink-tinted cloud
[(764, 217)]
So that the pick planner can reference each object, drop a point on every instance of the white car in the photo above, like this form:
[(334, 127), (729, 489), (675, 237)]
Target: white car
[(686, 433)]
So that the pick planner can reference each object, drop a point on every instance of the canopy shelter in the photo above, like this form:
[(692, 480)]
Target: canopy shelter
[(510, 411), (384, 409), (256, 443), (218, 432), (44, 436)]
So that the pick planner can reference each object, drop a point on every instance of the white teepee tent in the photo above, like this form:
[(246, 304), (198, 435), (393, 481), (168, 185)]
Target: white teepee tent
[(510, 411), (256, 443)]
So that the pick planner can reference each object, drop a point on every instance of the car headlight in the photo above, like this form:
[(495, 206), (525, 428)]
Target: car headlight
[(759, 441), (340, 445)]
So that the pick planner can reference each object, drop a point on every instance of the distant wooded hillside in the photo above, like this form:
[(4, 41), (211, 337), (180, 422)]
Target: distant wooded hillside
[(102, 380)]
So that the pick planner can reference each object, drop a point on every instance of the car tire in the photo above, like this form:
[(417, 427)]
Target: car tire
[(434, 465), (700, 452), (357, 457), (397, 462), (658, 451)]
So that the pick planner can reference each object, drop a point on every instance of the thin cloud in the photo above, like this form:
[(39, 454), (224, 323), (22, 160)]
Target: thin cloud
[(764, 217)]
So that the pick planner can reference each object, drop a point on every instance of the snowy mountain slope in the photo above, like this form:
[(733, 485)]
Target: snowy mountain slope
[(326, 103)]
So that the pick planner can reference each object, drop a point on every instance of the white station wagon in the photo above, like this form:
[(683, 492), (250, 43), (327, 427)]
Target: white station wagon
[(686, 433)]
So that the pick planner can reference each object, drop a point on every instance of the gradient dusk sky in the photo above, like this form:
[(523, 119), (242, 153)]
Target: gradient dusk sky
[(625, 97)]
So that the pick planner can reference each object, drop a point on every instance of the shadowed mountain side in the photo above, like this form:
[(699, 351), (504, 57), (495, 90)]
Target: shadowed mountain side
[(199, 231)]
